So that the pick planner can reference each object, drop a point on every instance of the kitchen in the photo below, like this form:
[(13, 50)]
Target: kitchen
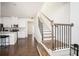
[(13, 29)]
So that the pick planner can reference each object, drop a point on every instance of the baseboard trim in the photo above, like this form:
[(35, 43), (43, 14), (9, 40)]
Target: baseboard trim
[(39, 51), (23, 38), (45, 48)]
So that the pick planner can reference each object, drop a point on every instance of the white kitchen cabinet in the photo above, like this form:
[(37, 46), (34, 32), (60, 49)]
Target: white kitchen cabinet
[(22, 33)]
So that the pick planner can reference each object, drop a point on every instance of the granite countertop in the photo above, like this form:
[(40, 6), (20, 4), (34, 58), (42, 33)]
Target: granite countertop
[(12, 30)]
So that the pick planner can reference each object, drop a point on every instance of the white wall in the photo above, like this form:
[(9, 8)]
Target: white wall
[(8, 21), (0, 12), (20, 9), (0, 20), (0, 8), (22, 23), (57, 11), (74, 18)]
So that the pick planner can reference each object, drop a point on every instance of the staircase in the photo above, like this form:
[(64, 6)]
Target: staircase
[(47, 37), (47, 33), (58, 38)]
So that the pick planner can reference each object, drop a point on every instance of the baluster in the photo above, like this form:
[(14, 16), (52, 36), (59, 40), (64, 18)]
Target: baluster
[(68, 36), (42, 31), (64, 36), (52, 38), (70, 40), (60, 37), (55, 37)]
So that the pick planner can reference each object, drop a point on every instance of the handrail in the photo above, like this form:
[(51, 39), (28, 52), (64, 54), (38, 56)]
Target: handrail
[(46, 17), (56, 23), (63, 24)]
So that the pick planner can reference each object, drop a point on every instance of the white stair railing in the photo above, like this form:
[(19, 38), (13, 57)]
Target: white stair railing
[(60, 34)]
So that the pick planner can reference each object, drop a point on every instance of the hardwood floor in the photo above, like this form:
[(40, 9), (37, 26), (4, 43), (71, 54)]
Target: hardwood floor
[(50, 44), (24, 47)]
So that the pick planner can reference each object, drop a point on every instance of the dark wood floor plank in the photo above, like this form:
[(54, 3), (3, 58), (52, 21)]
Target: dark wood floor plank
[(24, 47)]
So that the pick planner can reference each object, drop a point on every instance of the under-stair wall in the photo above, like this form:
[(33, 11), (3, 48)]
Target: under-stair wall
[(37, 33)]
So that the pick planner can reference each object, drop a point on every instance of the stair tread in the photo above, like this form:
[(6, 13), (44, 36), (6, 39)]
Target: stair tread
[(47, 33), (47, 36)]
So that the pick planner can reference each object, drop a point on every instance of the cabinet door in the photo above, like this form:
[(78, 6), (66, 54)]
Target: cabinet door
[(22, 33)]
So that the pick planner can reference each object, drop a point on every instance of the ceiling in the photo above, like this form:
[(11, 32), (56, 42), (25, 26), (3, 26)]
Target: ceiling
[(20, 9)]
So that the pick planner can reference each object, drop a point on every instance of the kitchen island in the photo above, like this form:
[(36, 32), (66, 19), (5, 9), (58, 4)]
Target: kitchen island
[(12, 37)]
